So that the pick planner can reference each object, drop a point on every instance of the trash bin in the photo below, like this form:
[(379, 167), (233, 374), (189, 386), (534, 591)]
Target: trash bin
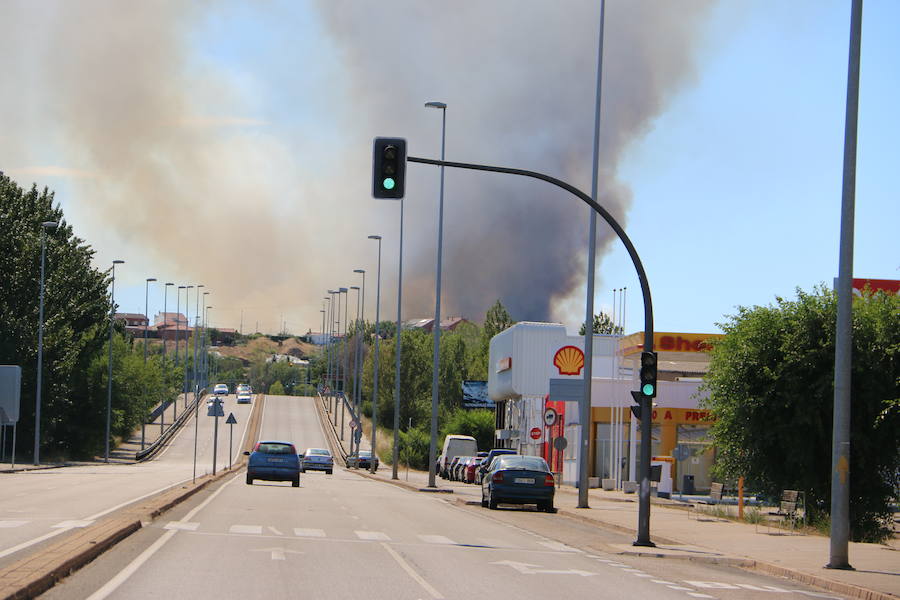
[(687, 485)]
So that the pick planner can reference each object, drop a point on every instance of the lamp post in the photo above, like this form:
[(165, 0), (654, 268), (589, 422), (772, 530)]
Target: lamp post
[(196, 331), (436, 327), (112, 320), (206, 337), (40, 356), (178, 320), (331, 307), (146, 313), (187, 326), (375, 359), (162, 413), (203, 341), (362, 314), (356, 333), (397, 347), (344, 362), (165, 307)]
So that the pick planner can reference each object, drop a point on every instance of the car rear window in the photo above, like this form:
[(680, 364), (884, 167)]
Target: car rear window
[(532, 463), (275, 448), (318, 452)]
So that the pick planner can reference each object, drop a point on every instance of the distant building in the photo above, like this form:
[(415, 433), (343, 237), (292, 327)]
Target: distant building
[(135, 323), (447, 324), (170, 326)]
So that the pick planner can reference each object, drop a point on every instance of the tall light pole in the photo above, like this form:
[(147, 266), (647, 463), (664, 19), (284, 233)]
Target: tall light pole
[(146, 313), (436, 327), (178, 320), (206, 350), (112, 320), (356, 334), (196, 332), (203, 341), (362, 314), (344, 361), (40, 355), (397, 347), (165, 307), (376, 357), (187, 327)]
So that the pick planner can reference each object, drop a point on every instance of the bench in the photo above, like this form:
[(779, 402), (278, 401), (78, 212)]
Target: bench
[(791, 507), (715, 495)]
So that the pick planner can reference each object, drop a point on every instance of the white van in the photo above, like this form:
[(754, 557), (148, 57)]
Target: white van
[(456, 445)]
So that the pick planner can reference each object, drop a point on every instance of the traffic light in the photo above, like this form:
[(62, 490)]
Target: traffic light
[(388, 167), (648, 374)]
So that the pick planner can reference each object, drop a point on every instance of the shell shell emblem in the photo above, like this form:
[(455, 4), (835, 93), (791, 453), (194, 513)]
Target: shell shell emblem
[(569, 360)]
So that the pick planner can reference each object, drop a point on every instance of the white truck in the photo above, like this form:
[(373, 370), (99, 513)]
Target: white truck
[(456, 445)]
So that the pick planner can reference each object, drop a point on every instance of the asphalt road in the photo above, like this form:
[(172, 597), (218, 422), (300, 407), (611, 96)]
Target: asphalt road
[(345, 536), (37, 506)]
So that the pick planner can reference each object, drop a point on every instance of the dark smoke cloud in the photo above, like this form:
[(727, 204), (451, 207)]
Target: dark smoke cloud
[(519, 80), (172, 169)]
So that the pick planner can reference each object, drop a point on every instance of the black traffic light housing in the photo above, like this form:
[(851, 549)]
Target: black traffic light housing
[(648, 374), (388, 167)]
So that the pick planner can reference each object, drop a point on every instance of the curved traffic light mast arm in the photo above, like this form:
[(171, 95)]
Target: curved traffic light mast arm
[(639, 267)]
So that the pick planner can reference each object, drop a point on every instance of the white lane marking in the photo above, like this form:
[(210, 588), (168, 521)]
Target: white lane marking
[(559, 547), (697, 595), (31, 542), (11, 524), (74, 524), (275, 531), (182, 526), (372, 535), (436, 539), (144, 556), (277, 553), (663, 581), (642, 575), (412, 573), (300, 532), (679, 588), (713, 585), (246, 529), (138, 499), (530, 569)]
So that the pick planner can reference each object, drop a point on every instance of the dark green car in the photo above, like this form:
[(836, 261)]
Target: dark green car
[(515, 479)]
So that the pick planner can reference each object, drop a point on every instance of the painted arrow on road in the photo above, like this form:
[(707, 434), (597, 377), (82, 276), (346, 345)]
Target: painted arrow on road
[(529, 569), (277, 553)]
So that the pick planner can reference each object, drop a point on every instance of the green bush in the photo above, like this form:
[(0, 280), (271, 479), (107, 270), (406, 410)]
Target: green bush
[(276, 389), (479, 423), (414, 445)]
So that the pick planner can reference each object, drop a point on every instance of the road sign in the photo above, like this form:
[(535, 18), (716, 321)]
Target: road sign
[(681, 452), (560, 443), (231, 420), (535, 433), (354, 424), (214, 408), (550, 416), (10, 387)]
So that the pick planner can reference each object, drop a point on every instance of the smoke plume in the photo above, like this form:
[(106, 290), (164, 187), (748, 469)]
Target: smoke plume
[(184, 168)]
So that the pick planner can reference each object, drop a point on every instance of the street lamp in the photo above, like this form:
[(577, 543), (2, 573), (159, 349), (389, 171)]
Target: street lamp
[(40, 357), (206, 350), (362, 314), (356, 335), (178, 320), (375, 360), (187, 326), (112, 320), (436, 327), (203, 341), (344, 291), (165, 308), (162, 413), (146, 313)]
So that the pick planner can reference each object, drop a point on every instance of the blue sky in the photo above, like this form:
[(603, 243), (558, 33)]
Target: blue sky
[(735, 182)]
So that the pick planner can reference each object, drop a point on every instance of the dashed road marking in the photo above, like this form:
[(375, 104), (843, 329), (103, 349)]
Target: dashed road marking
[(436, 539), (182, 526), (372, 535), (246, 529), (559, 546), (301, 532)]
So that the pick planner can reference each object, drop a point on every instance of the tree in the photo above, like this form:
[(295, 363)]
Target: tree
[(276, 389), (771, 390), (76, 306), (496, 320), (603, 324)]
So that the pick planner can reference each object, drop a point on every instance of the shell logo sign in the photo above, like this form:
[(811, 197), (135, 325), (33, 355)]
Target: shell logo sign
[(569, 360)]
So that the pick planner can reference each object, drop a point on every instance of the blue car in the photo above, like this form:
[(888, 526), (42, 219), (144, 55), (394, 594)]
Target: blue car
[(514, 479), (273, 461)]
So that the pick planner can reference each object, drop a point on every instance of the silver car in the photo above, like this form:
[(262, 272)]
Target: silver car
[(316, 459)]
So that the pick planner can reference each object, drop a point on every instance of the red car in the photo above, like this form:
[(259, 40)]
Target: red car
[(471, 468)]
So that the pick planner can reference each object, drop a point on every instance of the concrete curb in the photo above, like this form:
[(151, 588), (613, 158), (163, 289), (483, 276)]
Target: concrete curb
[(38, 572)]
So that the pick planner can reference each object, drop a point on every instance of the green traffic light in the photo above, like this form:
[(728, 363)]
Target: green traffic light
[(647, 390), (388, 183)]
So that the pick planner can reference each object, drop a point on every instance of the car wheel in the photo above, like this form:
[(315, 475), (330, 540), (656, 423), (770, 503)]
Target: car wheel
[(492, 503), (484, 503), (328, 472), (249, 479), (303, 470), (296, 482)]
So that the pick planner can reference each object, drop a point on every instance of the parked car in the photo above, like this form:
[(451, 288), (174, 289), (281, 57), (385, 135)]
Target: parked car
[(316, 459), (486, 463), (244, 397), (519, 480), (221, 389), (459, 467), (471, 468), (456, 445), (362, 460), (451, 468), (273, 461)]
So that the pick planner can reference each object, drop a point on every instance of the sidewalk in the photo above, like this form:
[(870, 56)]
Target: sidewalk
[(680, 533)]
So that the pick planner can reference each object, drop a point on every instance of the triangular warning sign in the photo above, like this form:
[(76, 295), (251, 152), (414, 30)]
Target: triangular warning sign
[(230, 420)]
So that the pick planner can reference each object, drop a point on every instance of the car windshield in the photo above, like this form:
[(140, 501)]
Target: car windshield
[(365, 453), (317, 452), (530, 463), (274, 448)]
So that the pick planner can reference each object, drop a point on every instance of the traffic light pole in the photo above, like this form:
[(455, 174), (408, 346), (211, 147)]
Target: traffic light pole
[(643, 537)]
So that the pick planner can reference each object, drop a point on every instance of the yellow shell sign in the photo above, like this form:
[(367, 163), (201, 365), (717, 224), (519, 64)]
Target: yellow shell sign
[(569, 360)]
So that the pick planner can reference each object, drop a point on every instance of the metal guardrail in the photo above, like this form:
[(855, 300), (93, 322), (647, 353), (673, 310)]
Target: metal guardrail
[(331, 433), (151, 450)]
